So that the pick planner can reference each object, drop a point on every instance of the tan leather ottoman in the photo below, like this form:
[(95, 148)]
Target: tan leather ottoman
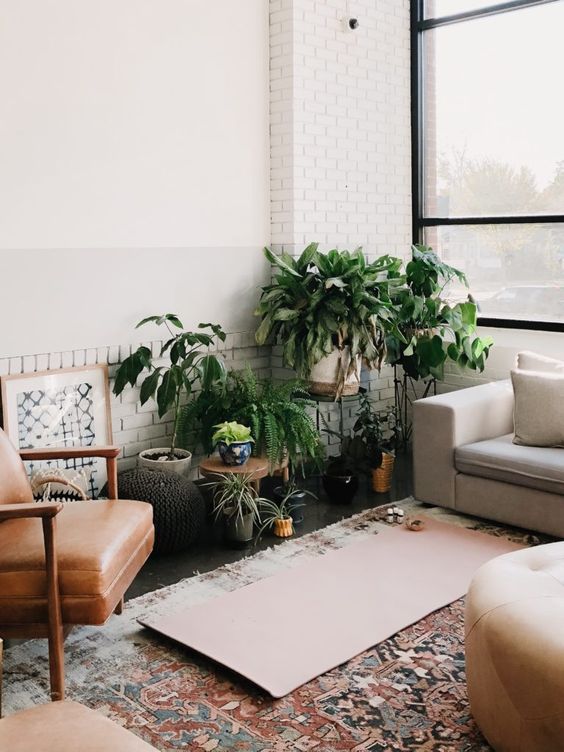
[(515, 650), (65, 727)]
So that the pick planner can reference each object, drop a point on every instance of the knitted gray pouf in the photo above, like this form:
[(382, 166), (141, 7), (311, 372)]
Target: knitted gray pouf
[(179, 510)]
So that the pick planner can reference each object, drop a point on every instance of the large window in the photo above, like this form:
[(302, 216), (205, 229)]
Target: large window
[(488, 151)]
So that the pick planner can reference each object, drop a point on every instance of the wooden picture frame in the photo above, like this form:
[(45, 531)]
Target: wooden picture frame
[(66, 407)]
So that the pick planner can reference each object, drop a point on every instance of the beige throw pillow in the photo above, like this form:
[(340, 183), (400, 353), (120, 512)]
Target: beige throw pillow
[(539, 408), (530, 361)]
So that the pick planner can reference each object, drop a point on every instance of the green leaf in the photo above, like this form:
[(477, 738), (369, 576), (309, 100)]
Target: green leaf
[(149, 386), (307, 257), (285, 314), (216, 329), (166, 393), (335, 282), (453, 352), (277, 261), (469, 314), (264, 330), (144, 354), (149, 319), (212, 370), (174, 320), (122, 378)]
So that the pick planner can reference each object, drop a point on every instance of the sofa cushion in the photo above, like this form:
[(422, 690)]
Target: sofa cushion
[(539, 408), (500, 459), (530, 361)]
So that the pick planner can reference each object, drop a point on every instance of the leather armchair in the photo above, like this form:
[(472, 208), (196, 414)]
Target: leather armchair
[(74, 567), (66, 727)]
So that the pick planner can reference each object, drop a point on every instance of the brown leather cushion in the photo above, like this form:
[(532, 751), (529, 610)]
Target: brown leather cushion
[(66, 727), (101, 545)]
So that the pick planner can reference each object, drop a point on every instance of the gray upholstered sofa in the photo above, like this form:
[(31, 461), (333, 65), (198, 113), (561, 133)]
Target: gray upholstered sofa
[(464, 459)]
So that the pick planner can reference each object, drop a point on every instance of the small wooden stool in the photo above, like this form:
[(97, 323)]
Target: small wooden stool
[(255, 467)]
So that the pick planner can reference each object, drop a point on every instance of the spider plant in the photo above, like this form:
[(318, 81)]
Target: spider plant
[(234, 496), (272, 512)]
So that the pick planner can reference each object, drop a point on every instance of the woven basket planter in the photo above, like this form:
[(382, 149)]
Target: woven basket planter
[(382, 476)]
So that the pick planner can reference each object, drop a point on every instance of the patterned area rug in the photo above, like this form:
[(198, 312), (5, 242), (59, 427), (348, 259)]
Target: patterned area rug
[(406, 693)]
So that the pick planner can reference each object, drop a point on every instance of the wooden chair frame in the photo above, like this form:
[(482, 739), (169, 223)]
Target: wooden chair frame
[(54, 629)]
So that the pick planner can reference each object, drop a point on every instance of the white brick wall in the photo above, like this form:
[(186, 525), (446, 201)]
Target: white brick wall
[(340, 123), (340, 134), (137, 427)]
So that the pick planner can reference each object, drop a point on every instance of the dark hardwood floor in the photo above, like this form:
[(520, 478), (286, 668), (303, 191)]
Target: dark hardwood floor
[(211, 552)]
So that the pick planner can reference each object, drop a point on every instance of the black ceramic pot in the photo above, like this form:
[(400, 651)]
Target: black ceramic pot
[(340, 489), (295, 505)]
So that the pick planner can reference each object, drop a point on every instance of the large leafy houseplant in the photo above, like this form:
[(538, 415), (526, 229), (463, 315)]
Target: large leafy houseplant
[(429, 329), (190, 364), (319, 302)]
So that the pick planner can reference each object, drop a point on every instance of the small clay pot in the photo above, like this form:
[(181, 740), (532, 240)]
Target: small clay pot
[(283, 528)]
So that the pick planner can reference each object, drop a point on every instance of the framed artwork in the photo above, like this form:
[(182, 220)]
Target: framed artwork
[(68, 407)]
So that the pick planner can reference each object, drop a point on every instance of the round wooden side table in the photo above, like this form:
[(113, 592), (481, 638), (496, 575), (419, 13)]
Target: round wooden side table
[(255, 467)]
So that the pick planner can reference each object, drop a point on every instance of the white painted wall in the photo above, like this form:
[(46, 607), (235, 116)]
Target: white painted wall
[(134, 159)]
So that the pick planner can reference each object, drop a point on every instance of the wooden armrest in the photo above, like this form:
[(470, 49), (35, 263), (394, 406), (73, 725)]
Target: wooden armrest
[(43, 510), (69, 453)]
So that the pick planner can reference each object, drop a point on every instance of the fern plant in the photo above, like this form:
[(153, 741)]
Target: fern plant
[(279, 416)]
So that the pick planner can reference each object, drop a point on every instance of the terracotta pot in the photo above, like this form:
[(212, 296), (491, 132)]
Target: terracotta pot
[(283, 528), (149, 459), (382, 476), (324, 377)]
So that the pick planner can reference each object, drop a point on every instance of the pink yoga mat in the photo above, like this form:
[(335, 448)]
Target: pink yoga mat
[(285, 630)]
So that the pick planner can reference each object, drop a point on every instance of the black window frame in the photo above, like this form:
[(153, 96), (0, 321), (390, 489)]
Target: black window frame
[(419, 25)]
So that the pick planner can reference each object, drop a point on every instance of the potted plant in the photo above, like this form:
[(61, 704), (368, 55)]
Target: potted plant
[(279, 416), (233, 441), (276, 515), (329, 312), (236, 504), (295, 498), (380, 432), (341, 477), (429, 328), (190, 364)]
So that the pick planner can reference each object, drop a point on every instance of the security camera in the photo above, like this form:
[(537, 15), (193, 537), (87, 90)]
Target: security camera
[(353, 24)]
